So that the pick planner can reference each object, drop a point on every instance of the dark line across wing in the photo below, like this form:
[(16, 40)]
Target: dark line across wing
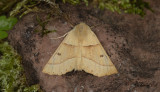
[(96, 62), (75, 61), (63, 61)]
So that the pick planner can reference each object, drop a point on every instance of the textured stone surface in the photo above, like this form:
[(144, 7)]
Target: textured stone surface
[(131, 42)]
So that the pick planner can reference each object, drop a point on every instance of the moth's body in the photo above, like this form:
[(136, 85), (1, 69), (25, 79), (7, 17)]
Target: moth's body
[(80, 50), (80, 34)]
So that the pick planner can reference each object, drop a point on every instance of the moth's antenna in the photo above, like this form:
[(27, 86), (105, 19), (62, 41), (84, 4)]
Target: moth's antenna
[(71, 24), (64, 34), (60, 36)]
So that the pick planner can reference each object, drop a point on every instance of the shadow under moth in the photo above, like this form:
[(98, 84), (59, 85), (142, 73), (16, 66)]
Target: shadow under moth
[(80, 50)]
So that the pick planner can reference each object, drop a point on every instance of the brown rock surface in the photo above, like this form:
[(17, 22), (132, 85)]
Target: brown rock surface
[(132, 42)]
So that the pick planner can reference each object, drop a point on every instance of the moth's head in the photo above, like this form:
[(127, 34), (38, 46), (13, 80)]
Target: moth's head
[(82, 27)]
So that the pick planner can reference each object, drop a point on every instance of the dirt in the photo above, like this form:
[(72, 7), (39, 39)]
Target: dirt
[(132, 42)]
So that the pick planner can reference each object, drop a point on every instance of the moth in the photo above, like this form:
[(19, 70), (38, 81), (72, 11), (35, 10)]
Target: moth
[(80, 50)]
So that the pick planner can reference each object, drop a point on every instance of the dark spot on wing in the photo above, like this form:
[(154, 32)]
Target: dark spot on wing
[(58, 54), (101, 55)]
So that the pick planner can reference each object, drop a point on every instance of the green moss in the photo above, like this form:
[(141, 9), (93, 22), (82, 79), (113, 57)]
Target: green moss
[(74, 2), (43, 24), (12, 78), (5, 25), (6, 5), (126, 6), (23, 7)]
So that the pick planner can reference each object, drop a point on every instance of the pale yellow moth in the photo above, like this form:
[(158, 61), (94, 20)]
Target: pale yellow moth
[(80, 50)]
